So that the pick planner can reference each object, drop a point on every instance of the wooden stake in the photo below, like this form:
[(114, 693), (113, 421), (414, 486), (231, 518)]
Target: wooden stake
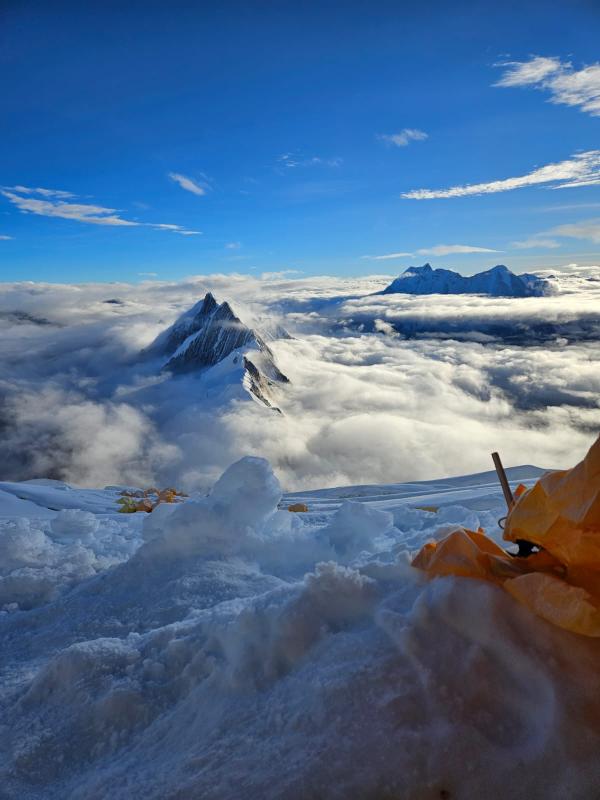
[(508, 495)]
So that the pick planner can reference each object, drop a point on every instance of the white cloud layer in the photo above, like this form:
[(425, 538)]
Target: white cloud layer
[(565, 84), (582, 169), (382, 388), (403, 137)]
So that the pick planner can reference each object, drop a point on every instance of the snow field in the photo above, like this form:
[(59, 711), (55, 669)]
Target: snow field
[(226, 648)]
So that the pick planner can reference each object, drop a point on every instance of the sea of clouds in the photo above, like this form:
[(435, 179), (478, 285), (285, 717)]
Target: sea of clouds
[(383, 388)]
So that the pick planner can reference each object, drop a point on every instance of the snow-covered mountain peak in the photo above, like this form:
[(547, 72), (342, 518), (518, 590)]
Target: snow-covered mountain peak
[(191, 321), (210, 333), (498, 281), (426, 268), (214, 333)]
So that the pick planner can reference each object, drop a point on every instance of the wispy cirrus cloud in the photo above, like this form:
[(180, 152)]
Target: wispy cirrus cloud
[(5, 238), (58, 193), (452, 249), (568, 207), (291, 161), (566, 85), (536, 241), (54, 204), (403, 137), (189, 184), (163, 226), (437, 250), (80, 212), (588, 229), (388, 256), (582, 169)]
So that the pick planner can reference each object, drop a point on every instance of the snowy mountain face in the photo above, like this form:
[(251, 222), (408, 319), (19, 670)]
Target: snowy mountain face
[(498, 281), (209, 334)]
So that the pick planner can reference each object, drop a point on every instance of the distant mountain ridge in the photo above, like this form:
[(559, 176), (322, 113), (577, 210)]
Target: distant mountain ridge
[(210, 333), (498, 281)]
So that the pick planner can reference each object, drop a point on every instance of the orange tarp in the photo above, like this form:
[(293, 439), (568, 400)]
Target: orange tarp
[(561, 582)]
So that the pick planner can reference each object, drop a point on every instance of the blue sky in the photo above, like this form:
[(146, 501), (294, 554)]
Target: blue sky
[(279, 135)]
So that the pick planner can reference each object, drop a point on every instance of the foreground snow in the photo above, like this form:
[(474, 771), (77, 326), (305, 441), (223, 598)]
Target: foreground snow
[(226, 648)]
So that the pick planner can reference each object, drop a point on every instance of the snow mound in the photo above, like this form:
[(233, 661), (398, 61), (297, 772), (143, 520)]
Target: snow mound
[(356, 526), (241, 502)]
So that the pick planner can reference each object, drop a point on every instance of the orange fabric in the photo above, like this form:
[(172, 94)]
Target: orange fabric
[(462, 552), (557, 601), (521, 489), (560, 514)]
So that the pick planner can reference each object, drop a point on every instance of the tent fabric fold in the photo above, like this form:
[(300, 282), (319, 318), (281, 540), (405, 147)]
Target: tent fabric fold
[(561, 582)]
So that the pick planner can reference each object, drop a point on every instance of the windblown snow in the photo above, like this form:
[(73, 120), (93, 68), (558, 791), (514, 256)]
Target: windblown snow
[(224, 647)]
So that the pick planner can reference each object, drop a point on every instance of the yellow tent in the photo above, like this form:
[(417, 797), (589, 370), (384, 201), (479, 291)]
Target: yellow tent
[(561, 582)]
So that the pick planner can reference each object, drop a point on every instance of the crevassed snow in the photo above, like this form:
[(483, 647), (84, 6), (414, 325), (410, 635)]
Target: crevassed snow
[(226, 648)]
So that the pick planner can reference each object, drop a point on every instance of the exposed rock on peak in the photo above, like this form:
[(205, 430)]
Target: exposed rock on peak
[(208, 334), (220, 332), (187, 324)]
